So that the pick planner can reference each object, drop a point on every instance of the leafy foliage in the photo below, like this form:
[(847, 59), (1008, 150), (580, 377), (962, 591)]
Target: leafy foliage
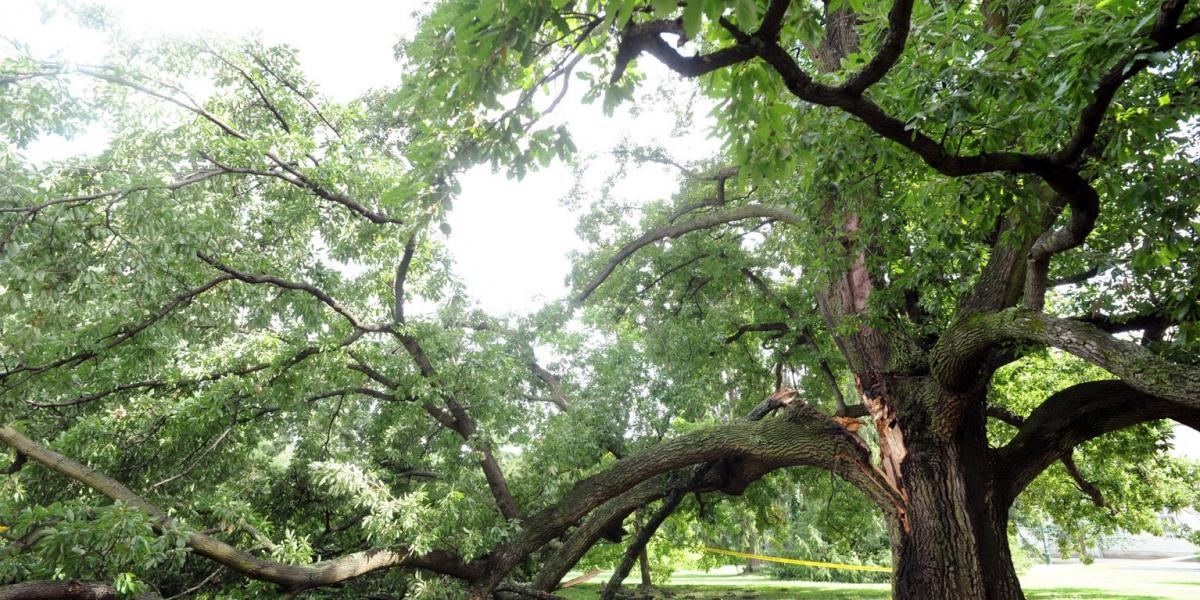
[(243, 308)]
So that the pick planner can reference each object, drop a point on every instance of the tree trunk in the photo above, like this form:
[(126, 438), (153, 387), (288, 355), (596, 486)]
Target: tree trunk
[(952, 541), (644, 563)]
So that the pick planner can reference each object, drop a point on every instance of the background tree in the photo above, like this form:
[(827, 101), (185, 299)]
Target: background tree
[(914, 201)]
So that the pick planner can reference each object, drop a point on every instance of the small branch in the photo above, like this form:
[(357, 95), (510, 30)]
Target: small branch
[(1085, 486), (177, 184), (122, 335), (1085, 208), (1127, 322), (18, 461), (671, 231), (398, 281), (553, 382), (417, 474), (779, 328), (361, 366), (1077, 278), (719, 175), (805, 336), (683, 211), (377, 394), (456, 419), (300, 179), (1165, 34), (199, 586), (1000, 413), (196, 462), (270, 106), (772, 403), (899, 21), (265, 66), (325, 298), (646, 37)]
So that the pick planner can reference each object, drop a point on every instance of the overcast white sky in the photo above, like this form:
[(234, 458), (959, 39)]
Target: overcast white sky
[(510, 239)]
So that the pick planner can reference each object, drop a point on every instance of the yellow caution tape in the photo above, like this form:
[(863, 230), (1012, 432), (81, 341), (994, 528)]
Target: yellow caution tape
[(792, 561)]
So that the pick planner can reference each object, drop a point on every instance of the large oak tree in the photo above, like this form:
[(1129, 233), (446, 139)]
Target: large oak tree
[(212, 321)]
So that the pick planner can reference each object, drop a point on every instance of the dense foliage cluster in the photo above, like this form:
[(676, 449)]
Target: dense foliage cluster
[(953, 244)]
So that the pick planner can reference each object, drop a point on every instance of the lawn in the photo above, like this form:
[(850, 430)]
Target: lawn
[(1110, 580)]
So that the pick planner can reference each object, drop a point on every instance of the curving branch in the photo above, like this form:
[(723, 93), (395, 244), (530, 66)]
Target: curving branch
[(116, 77), (120, 336), (1058, 169), (603, 522), (647, 37), (456, 418), (1166, 34), (1068, 461), (289, 577), (271, 280), (1073, 416), (552, 381), (800, 436), (688, 481), (955, 359), (899, 22), (751, 211), (1085, 208), (727, 476), (400, 278)]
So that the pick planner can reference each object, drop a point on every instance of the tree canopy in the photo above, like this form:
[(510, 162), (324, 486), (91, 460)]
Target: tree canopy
[(947, 254)]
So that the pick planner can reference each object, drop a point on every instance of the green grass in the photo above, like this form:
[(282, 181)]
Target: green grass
[(1110, 580)]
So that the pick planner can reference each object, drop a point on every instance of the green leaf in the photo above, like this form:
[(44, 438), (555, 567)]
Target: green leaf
[(663, 8), (693, 13)]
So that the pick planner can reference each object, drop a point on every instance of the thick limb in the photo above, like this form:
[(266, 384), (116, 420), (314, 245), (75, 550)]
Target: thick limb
[(956, 357), (802, 436), (1073, 416), (64, 590)]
